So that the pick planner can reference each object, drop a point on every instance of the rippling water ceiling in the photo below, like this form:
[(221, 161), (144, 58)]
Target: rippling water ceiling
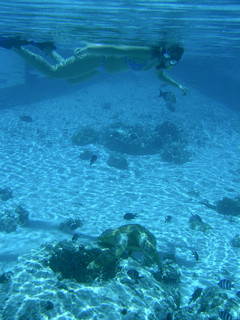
[(208, 27)]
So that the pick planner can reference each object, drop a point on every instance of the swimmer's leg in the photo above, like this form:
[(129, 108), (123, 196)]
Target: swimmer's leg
[(36, 61), (71, 68), (57, 58)]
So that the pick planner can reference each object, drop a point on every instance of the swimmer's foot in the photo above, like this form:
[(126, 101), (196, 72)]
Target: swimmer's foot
[(15, 42)]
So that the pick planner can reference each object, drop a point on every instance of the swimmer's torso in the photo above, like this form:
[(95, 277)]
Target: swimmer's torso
[(83, 64)]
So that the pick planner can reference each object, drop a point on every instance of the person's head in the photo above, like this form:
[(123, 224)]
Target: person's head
[(169, 56)]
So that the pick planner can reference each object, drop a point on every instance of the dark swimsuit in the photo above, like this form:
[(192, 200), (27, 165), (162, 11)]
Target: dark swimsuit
[(134, 65), (130, 63)]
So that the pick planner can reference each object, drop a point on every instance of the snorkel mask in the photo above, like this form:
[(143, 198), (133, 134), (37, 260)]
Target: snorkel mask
[(169, 57)]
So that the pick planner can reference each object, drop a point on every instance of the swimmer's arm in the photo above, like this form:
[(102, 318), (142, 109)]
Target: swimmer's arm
[(165, 78), (119, 51)]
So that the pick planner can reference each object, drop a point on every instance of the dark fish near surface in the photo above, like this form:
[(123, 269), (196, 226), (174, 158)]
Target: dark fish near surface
[(225, 284), (26, 118), (169, 316), (168, 96), (196, 256), (225, 315), (196, 294), (76, 236), (134, 275), (168, 219), (93, 159), (129, 216), (170, 107), (196, 218)]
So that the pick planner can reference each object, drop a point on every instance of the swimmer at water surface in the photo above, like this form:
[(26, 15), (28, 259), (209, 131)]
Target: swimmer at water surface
[(91, 60)]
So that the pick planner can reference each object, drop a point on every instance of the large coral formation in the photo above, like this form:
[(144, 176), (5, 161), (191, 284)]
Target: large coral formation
[(128, 238), (229, 206), (165, 139), (85, 135), (138, 140), (85, 263), (59, 284), (72, 260)]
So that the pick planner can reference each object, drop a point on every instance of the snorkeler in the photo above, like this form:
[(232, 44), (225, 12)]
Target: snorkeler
[(89, 61)]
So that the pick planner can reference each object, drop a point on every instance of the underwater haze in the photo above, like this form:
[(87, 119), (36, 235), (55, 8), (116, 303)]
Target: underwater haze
[(119, 194)]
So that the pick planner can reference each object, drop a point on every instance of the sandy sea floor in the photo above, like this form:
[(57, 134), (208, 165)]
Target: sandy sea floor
[(42, 167)]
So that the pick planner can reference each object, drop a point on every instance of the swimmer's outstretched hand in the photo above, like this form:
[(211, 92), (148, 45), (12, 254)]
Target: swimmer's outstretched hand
[(184, 89)]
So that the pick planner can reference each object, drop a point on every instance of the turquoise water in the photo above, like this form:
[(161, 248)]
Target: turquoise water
[(75, 158), (206, 27)]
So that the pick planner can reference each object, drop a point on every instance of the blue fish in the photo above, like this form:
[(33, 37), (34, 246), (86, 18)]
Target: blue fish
[(225, 284), (168, 219), (196, 294), (196, 256), (225, 315), (196, 218), (169, 316), (134, 275), (129, 216), (93, 159)]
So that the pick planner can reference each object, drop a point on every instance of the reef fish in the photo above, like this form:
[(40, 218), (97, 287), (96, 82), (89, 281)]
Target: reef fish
[(196, 256), (168, 219), (170, 107), (225, 284), (134, 275), (169, 316), (196, 218), (225, 315), (168, 96), (129, 216), (26, 118), (93, 159), (196, 294)]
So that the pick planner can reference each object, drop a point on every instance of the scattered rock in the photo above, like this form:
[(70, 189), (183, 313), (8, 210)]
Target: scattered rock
[(5, 277), (175, 153), (196, 223), (229, 206), (106, 105), (236, 241), (117, 161), (86, 155), (8, 221), (23, 216), (70, 224), (85, 135), (26, 118), (6, 194)]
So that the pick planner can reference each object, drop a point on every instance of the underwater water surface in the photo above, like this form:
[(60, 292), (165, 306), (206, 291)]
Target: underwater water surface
[(119, 196)]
